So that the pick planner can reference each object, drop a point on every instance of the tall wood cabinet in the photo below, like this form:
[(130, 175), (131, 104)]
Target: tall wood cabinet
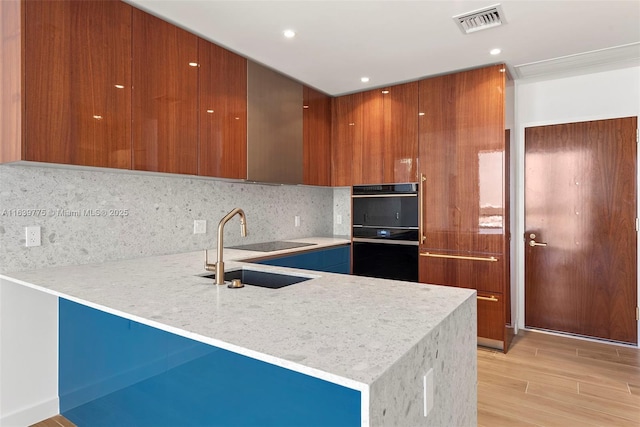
[(222, 112), (67, 82), (316, 138), (464, 229), (165, 96)]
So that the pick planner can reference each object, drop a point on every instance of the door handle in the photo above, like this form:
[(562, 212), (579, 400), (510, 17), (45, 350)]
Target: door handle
[(533, 243)]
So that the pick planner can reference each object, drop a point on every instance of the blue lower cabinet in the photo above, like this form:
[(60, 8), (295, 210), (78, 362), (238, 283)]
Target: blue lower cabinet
[(333, 260), (116, 372)]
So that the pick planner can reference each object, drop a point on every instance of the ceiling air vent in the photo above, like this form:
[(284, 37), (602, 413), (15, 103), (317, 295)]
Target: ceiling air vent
[(481, 19)]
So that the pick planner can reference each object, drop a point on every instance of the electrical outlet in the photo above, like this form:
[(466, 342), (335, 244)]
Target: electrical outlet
[(428, 385), (339, 219), (32, 236), (296, 220), (199, 226)]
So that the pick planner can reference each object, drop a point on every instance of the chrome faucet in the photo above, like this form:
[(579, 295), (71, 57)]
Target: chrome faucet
[(218, 267)]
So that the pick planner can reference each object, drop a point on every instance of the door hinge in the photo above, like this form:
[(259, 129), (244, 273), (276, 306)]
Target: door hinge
[(637, 313), (637, 224)]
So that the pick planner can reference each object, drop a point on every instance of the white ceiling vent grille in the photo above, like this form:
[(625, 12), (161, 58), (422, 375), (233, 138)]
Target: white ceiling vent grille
[(481, 19)]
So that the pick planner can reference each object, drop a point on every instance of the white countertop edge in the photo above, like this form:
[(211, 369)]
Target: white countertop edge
[(286, 364)]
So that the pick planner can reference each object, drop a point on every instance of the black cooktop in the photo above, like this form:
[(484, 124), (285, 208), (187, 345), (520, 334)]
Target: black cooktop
[(271, 246)]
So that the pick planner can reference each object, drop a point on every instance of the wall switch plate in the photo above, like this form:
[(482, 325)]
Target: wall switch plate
[(199, 226), (428, 392), (339, 219), (32, 236), (296, 220)]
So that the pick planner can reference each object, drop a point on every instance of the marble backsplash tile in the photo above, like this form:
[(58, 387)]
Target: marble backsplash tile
[(94, 215)]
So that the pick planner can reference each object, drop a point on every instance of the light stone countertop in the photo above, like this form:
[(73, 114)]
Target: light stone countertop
[(342, 328)]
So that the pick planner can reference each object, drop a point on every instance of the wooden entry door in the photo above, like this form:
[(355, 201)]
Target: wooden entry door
[(580, 232)]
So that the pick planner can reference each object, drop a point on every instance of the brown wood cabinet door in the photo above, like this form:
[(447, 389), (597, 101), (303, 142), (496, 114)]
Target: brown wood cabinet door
[(346, 141), (316, 125), (400, 150), (223, 112), (165, 96), (491, 319), (77, 82), (461, 139), (371, 153), (581, 238), (482, 272)]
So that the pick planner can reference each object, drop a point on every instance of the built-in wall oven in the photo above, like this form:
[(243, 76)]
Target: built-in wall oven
[(385, 231)]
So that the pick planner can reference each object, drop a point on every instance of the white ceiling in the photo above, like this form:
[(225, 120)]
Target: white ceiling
[(392, 41)]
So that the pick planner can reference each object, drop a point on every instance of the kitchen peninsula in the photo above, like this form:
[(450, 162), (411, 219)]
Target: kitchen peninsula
[(337, 348)]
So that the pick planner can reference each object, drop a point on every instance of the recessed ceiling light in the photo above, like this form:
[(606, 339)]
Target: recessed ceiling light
[(384, 92), (289, 34), (193, 64), (495, 51), (119, 86), (210, 111), (364, 79)]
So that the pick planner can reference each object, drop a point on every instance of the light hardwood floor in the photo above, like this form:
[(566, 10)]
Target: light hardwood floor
[(548, 380)]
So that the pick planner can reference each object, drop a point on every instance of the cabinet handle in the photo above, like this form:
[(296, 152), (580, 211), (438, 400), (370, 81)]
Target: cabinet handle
[(421, 208), (491, 298), (469, 258)]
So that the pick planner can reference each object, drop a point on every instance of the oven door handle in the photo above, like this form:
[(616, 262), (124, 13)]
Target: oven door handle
[(386, 241)]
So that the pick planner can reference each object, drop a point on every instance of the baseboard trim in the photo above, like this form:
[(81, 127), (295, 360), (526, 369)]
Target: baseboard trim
[(31, 415)]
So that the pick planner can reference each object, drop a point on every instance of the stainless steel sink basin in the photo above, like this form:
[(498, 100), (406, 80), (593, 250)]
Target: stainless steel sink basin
[(261, 278)]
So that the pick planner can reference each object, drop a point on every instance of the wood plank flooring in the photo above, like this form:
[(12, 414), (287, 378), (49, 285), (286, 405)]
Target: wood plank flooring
[(548, 380)]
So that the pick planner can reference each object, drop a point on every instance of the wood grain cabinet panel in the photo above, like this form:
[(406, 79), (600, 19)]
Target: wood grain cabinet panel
[(400, 147), (491, 314), (316, 126), (222, 112), (346, 140), (463, 157), (165, 96), (371, 151), (478, 272), (77, 82)]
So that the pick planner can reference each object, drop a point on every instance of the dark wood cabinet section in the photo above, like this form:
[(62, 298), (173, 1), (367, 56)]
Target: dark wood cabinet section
[(316, 127), (370, 154), (346, 139), (386, 148), (222, 112), (490, 316), (77, 83), (165, 96), (482, 272), (463, 159), (400, 147)]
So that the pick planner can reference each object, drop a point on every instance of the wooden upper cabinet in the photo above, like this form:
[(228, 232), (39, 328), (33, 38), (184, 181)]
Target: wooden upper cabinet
[(316, 126), (371, 153), (400, 149), (386, 149), (462, 155), (223, 112), (77, 83), (165, 96), (346, 140)]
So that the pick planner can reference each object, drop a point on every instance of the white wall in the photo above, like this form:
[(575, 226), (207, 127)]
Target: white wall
[(28, 355), (596, 96)]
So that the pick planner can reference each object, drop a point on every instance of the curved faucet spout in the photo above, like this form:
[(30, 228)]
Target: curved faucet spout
[(219, 265)]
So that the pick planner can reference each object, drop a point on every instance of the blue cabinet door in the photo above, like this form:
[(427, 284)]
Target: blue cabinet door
[(113, 371), (333, 260)]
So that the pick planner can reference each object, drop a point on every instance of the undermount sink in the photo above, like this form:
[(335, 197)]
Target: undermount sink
[(261, 278)]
